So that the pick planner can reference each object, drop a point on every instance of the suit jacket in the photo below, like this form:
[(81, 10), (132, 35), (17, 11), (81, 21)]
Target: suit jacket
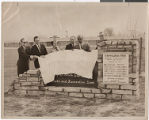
[(38, 51), (85, 47), (23, 61), (69, 47)]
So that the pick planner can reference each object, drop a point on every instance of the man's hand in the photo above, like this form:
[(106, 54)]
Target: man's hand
[(31, 57), (35, 56)]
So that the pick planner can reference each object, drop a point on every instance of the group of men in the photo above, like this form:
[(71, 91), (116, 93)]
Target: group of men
[(38, 50), (27, 53)]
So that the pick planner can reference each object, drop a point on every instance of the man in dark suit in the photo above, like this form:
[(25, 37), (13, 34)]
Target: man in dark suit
[(24, 56), (82, 46), (70, 46), (38, 50)]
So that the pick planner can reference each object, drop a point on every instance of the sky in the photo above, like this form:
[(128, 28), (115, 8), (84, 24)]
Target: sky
[(61, 19)]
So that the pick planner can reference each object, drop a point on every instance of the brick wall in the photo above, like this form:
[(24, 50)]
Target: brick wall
[(34, 86)]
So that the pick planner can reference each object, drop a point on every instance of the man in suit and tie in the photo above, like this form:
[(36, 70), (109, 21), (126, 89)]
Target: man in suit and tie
[(38, 50)]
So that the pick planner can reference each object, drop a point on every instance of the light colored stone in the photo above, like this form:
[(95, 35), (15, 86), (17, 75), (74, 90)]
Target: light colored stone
[(134, 92), (89, 95), (122, 92), (129, 87), (75, 94), (30, 83), (35, 93), (20, 92), (23, 78), (32, 79), (53, 88), (128, 97), (62, 93), (25, 83), (30, 87), (113, 96), (100, 95), (16, 85), (50, 93), (113, 86), (35, 83), (86, 90), (41, 88), (72, 89), (106, 90), (96, 90)]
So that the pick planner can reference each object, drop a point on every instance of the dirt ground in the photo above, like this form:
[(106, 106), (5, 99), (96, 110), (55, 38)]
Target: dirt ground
[(61, 106)]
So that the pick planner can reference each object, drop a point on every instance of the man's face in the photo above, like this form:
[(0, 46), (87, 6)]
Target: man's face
[(72, 40), (80, 41), (23, 43), (37, 40), (26, 44)]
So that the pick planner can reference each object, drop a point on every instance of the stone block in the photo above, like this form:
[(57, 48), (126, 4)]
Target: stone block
[(62, 93), (22, 78), (101, 85), (72, 89), (113, 96), (106, 90), (56, 89), (128, 97), (41, 88), (50, 93), (88, 95), (75, 94), (134, 92), (20, 92), (16, 86), (113, 86), (129, 87), (30, 83), (96, 90), (122, 92), (100, 95), (30, 87), (85, 90), (35, 92), (32, 71), (32, 79), (25, 83)]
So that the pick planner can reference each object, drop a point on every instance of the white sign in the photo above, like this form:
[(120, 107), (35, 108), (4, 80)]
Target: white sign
[(115, 67)]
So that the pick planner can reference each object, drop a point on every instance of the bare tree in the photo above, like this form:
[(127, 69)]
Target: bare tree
[(108, 32)]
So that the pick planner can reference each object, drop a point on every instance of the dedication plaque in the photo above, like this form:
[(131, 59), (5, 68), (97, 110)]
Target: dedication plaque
[(115, 67)]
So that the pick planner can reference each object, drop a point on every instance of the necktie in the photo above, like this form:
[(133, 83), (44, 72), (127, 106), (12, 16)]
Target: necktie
[(38, 47)]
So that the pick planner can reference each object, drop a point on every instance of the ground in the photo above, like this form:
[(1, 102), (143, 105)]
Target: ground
[(61, 106)]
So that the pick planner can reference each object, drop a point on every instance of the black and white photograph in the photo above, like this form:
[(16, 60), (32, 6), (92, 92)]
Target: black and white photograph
[(74, 60)]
